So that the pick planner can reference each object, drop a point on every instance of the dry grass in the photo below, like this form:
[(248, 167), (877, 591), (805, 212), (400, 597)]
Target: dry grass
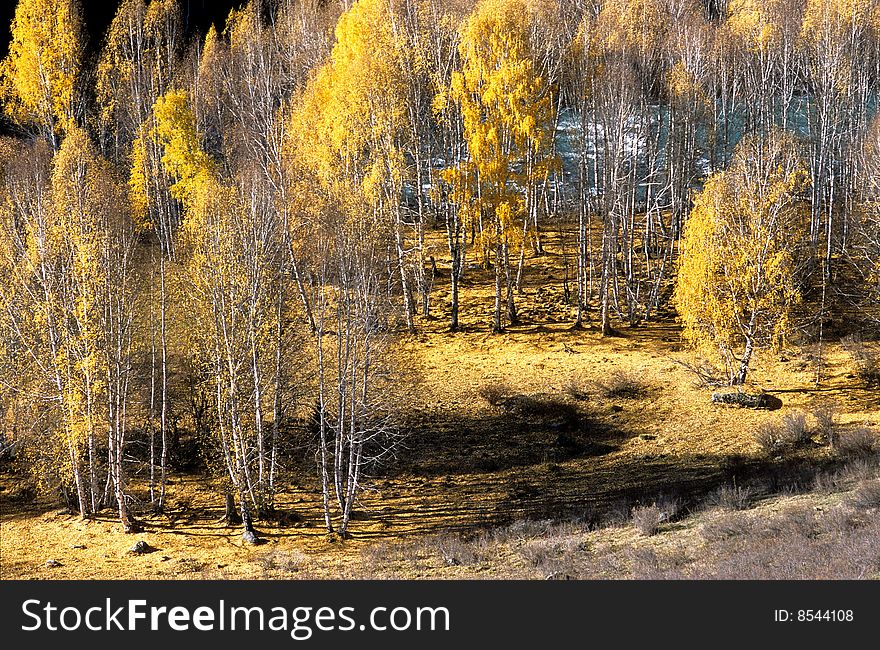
[(866, 496), (865, 359), (732, 497)]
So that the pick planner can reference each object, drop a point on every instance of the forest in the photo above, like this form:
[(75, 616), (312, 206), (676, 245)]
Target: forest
[(218, 250)]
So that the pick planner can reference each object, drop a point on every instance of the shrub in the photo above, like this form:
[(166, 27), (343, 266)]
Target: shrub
[(622, 385), (457, 550), (282, 561), (669, 508), (735, 525), (647, 519), (839, 521), (824, 415), (705, 373), (859, 469), (827, 482), (866, 496), (795, 431), (793, 521), (769, 438), (732, 497), (647, 564), (574, 390), (857, 443), (554, 556), (495, 394), (792, 431)]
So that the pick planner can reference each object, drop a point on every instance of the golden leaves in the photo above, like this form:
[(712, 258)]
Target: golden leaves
[(38, 77), (752, 21), (506, 108), (347, 125), (635, 25), (737, 274), (183, 157)]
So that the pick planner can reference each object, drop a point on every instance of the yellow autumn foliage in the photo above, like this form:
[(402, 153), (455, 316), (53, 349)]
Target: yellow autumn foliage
[(184, 159), (828, 34), (507, 112), (346, 125), (635, 25), (738, 284), (39, 75)]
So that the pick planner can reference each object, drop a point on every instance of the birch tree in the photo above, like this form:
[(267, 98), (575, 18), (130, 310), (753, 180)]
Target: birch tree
[(40, 75), (741, 271), (507, 114), (343, 146)]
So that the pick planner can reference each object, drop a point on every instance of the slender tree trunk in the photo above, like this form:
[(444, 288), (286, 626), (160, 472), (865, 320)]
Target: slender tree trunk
[(496, 323), (163, 415), (231, 516), (511, 304), (322, 433), (740, 378)]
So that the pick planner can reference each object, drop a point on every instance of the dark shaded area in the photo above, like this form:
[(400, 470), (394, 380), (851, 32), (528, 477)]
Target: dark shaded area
[(197, 15), (520, 430), (594, 496)]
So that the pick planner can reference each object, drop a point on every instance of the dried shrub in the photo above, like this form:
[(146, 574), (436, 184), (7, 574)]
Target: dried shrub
[(839, 520), (575, 391), (860, 442), (705, 373), (769, 438), (553, 557), (727, 527), (522, 529), (827, 482), (282, 561), (457, 550), (790, 432), (622, 385), (647, 519), (670, 508), (732, 497), (495, 394), (859, 469), (794, 429), (647, 564), (866, 496), (618, 513), (786, 557), (799, 522), (824, 416)]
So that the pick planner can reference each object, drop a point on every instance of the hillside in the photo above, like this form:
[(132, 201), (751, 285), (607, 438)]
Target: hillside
[(524, 454)]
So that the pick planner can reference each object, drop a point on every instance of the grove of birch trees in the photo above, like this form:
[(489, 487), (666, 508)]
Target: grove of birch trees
[(225, 236)]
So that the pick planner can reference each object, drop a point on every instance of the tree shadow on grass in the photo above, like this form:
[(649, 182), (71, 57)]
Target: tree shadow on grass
[(520, 430)]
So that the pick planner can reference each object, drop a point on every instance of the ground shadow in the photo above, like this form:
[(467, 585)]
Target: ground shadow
[(520, 430)]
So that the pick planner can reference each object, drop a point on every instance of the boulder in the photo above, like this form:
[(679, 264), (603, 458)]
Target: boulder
[(140, 548), (747, 400), (250, 537)]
